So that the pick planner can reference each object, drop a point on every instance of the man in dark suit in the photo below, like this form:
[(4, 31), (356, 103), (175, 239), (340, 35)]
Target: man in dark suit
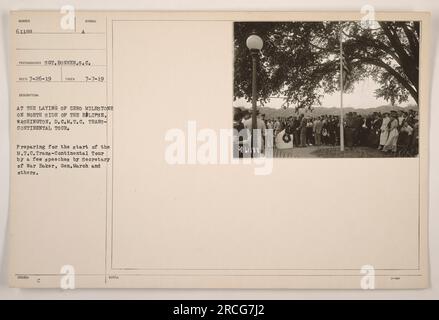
[(303, 123), (349, 130), (295, 127)]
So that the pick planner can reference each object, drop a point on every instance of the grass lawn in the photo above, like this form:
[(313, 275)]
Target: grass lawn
[(356, 152)]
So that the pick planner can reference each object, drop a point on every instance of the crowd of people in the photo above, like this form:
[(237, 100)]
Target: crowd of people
[(394, 132)]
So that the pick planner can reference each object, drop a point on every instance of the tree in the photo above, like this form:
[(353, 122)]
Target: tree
[(300, 60)]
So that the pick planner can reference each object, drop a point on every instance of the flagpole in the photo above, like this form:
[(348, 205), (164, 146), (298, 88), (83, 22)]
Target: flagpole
[(341, 92)]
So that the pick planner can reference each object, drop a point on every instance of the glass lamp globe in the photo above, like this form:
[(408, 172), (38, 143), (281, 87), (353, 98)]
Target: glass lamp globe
[(254, 42)]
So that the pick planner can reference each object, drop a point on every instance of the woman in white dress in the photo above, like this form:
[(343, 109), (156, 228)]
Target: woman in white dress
[(392, 139), (384, 131)]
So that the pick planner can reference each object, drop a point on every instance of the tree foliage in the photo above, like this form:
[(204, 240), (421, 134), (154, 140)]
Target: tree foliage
[(301, 60)]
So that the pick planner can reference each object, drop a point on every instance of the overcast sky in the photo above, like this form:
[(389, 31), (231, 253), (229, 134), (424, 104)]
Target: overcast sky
[(361, 97)]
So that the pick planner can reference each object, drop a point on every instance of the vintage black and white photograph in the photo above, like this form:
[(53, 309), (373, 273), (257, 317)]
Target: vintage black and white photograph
[(326, 89)]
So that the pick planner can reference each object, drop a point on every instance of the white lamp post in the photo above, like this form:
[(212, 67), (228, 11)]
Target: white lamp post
[(255, 44)]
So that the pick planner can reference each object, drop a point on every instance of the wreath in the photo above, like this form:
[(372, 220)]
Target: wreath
[(286, 138)]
